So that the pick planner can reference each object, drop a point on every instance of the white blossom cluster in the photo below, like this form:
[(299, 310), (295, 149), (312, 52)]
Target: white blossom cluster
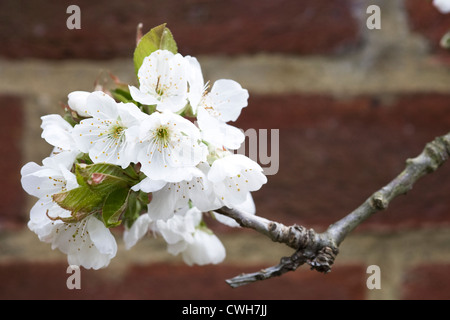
[(187, 167)]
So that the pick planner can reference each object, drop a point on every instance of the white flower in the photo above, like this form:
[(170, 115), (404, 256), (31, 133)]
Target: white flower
[(107, 136), (442, 5), (176, 195), (162, 79), (215, 108), (184, 235), (233, 176), (52, 177), (168, 146), (77, 102), (87, 242)]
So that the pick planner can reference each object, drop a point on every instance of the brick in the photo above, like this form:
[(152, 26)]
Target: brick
[(11, 130), (426, 20), (207, 282), (174, 282), (336, 153), (427, 282), (47, 281), (38, 29)]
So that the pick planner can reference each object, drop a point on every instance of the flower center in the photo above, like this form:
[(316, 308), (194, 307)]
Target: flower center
[(161, 135), (117, 132), (159, 90)]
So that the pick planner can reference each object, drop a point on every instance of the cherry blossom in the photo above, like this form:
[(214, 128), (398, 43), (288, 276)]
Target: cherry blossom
[(107, 135), (168, 146), (162, 80)]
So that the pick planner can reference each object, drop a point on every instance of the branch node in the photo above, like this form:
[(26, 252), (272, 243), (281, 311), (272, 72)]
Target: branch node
[(324, 259), (272, 226), (439, 151), (379, 201)]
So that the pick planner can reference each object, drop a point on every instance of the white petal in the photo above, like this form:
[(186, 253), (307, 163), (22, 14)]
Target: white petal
[(442, 5), (102, 106), (233, 176), (206, 249), (57, 132), (218, 132), (172, 159), (175, 230), (43, 182), (130, 114), (166, 201), (139, 228), (77, 102), (228, 98), (196, 82), (142, 97), (149, 185), (101, 237), (87, 132), (248, 207)]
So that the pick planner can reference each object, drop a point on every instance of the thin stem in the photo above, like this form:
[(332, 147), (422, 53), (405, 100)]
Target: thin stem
[(320, 250)]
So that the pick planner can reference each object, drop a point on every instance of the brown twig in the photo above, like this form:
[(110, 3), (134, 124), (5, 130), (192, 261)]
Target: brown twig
[(320, 249)]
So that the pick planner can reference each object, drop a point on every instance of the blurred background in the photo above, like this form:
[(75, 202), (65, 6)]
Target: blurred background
[(351, 105)]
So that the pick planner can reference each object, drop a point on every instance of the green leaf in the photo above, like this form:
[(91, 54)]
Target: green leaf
[(159, 37), (80, 201), (97, 183), (115, 205), (133, 209), (445, 41), (122, 95), (91, 174)]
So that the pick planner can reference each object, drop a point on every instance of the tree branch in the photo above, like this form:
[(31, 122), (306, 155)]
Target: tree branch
[(320, 249)]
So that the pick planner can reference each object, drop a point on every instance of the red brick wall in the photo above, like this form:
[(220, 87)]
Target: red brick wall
[(336, 148)]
